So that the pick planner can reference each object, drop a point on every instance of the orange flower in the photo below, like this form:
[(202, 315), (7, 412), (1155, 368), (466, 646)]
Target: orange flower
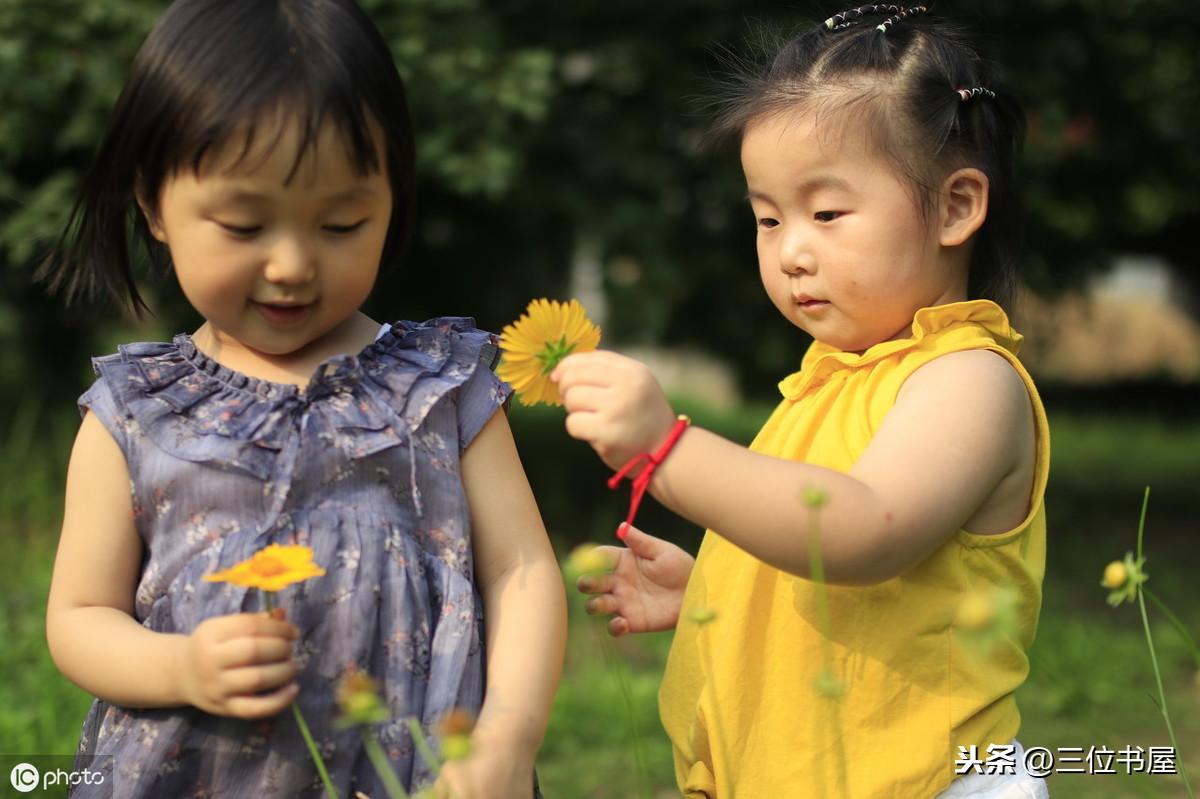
[(546, 333), (271, 569)]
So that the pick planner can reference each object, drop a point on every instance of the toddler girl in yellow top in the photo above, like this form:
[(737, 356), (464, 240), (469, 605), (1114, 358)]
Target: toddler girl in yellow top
[(878, 151)]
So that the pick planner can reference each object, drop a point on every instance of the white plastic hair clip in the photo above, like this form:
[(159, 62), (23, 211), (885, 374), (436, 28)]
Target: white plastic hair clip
[(967, 94), (852, 16), (904, 12)]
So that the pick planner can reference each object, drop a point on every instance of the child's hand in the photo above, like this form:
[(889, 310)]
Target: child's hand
[(644, 592), (613, 403), (487, 773), (240, 665)]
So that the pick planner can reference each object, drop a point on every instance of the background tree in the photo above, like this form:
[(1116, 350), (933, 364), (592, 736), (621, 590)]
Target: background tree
[(550, 130)]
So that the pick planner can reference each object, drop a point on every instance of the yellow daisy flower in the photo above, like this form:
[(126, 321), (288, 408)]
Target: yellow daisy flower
[(546, 333), (271, 569)]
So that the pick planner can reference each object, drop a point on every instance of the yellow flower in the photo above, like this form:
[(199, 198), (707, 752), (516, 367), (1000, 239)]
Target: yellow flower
[(1115, 575), (975, 612), (985, 618), (271, 569), (1124, 578), (546, 333), (358, 699), (587, 559), (455, 728)]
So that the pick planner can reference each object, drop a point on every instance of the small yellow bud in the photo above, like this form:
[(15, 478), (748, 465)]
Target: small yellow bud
[(456, 747), (828, 685), (701, 616), (588, 559), (358, 699), (455, 730), (815, 497), (1115, 575), (975, 612)]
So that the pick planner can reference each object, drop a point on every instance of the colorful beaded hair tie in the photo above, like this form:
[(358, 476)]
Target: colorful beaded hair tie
[(906, 12), (967, 94), (852, 16)]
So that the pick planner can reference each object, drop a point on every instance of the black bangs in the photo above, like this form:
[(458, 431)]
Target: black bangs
[(217, 73)]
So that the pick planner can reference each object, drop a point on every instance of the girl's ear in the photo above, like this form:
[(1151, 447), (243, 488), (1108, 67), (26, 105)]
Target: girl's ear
[(964, 206), (148, 213)]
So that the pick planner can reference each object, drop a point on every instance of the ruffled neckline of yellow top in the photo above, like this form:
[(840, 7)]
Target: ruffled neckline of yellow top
[(822, 361)]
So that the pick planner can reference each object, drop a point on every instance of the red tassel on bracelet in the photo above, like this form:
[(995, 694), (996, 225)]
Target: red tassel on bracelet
[(650, 462)]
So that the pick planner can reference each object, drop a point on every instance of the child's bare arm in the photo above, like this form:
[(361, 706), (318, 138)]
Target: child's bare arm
[(524, 599), (955, 450), (96, 642)]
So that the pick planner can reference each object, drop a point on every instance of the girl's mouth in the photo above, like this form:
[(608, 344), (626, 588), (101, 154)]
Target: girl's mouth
[(282, 314)]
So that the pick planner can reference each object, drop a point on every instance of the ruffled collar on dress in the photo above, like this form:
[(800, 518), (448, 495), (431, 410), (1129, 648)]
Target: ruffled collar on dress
[(333, 375), (821, 361)]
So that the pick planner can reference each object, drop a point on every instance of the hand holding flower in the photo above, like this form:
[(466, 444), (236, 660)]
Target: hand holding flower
[(239, 665), (614, 403)]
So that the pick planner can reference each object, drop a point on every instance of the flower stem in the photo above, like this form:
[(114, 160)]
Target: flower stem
[(1162, 696), (422, 745), (382, 767), (1191, 644), (717, 730), (616, 666), (330, 791), (817, 567)]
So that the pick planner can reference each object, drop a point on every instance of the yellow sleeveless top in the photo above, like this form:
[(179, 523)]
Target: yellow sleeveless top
[(741, 698)]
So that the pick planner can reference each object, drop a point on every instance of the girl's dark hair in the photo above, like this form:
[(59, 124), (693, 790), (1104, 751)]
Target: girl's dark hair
[(214, 69), (900, 71)]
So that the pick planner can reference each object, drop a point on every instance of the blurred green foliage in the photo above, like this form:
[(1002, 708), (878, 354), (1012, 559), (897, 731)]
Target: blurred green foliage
[(544, 127), (1090, 681)]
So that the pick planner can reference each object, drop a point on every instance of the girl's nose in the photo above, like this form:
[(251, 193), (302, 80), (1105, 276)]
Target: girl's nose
[(795, 256), (290, 262)]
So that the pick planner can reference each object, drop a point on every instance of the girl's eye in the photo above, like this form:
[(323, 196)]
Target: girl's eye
[(826, 216), (768, 222), (244, 231), (342, 230)]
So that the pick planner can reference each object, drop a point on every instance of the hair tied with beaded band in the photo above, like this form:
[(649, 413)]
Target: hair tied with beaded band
[(968, 94), (904, 13), (852, 16)]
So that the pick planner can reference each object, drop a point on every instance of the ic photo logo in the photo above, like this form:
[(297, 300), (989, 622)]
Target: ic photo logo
[(25, 777)]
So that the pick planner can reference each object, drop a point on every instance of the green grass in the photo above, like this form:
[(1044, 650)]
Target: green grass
[(1090, 685)]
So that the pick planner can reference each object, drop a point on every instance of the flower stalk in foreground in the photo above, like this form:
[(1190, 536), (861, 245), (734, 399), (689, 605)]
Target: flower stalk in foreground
[(1128, 590), (532, 346), (269, 570), (827, 683), (358, 700)]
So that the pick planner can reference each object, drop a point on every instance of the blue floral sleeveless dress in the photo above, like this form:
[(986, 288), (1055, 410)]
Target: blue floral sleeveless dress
[(362, 465)]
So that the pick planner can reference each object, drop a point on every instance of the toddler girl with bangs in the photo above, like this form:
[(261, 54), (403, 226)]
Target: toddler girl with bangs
[(910, 448), (262, 150)]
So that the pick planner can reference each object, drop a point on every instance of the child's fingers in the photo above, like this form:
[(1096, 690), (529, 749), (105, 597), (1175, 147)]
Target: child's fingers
[(601, 605), (253, 650), (250, 624), (592, 368), (618, 626), (596, 583), (257, 707), (640, 544), (581, 397), (256, 679), (584, 425)]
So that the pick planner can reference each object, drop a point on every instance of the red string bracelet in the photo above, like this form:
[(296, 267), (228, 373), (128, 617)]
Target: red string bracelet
[(651, 461)]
